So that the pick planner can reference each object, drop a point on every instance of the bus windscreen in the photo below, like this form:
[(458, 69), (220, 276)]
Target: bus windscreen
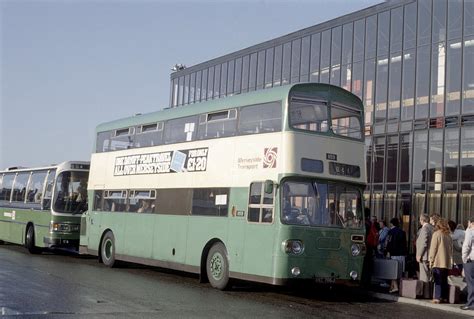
[(71, 192), (321, 203)]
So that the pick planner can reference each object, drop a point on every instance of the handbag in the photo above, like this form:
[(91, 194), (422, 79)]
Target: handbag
[(455, 271)]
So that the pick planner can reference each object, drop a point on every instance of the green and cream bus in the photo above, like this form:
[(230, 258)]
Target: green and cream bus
[(41, 207), (264, 186)]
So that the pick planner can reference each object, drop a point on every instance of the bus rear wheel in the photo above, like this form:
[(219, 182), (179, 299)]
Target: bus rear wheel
[(30, 241), (107, 249), (217, 266)]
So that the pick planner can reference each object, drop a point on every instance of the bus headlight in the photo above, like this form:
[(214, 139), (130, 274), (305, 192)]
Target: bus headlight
[(295, 271), (355, 249), (354, 275), (292, 246)]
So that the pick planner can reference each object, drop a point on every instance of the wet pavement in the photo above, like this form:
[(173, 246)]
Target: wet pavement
[(71, 286)]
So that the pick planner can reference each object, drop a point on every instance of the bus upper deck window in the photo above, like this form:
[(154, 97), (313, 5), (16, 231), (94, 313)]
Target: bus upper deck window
[(260, 118), (309, 114), (345, 120), (217, 124)]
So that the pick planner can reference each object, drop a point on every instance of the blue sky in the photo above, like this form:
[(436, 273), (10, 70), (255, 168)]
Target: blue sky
[(66, 66)]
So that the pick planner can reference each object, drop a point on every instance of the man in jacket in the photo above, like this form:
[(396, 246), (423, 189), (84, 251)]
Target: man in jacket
[(422, 248), (468, 261), (397, 249)]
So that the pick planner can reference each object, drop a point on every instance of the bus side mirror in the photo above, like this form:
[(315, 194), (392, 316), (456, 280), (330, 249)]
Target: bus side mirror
[(268, 187)]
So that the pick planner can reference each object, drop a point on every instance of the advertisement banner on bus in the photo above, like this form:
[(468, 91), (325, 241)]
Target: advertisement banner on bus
[(192, 160)]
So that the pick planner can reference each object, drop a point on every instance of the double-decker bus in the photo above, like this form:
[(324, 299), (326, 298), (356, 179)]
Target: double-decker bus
[(41, 207), (263, 186)]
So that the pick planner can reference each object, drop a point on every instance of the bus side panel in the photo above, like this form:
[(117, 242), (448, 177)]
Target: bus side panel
[(5, 221), (102, 221), (258, 257), (14, 225), (138, 234), (170, 236), (201, 230), (41, 221), (94, 232)]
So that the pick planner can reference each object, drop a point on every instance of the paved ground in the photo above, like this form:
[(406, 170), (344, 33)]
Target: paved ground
[(69, 286)]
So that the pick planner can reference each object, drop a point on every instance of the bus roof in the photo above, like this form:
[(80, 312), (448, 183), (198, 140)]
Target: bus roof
[(27, 169), (255, 97)]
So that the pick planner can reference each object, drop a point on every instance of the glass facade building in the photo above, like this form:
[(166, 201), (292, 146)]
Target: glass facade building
[(412, 64)]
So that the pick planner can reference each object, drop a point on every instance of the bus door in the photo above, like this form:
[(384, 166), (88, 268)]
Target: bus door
[(260, 231), (238, 204)]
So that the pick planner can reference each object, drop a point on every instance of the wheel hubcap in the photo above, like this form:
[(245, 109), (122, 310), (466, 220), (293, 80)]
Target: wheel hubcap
[(217, 265), (108, 249)]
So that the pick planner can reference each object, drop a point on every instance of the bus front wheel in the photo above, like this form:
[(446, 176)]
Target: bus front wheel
[(217, 266), (30, 241), (107, 249)]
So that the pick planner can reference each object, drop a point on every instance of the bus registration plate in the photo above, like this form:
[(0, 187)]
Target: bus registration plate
[(324, 280)]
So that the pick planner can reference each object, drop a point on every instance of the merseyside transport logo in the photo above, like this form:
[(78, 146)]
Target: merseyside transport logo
[(270, 157)]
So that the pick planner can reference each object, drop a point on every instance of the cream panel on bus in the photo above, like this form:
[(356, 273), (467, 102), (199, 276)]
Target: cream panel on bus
[(326, 149), (97, 173), (257, 159), (227, 162)]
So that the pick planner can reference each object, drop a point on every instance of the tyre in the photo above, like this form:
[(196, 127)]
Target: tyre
[(30, 241), (107, 249), (217, 266)]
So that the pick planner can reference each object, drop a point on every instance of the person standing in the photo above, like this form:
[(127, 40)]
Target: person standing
[(434, 219), (441, 259), (396, 249), (383, 233), (468, 263), (367, 267), (458, 236), (423, 242)]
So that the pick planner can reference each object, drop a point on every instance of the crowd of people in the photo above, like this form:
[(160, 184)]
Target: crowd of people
[(442, 248)]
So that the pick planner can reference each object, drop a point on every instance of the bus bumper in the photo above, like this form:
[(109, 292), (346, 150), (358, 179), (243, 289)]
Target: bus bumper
[(61, 243)]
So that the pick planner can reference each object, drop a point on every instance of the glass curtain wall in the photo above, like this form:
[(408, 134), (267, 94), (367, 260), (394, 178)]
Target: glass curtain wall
[(412, 65)]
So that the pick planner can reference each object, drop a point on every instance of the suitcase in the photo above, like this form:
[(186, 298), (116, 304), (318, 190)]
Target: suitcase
[(411, 288), (428, 288), (454, 294), (385, 269)]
